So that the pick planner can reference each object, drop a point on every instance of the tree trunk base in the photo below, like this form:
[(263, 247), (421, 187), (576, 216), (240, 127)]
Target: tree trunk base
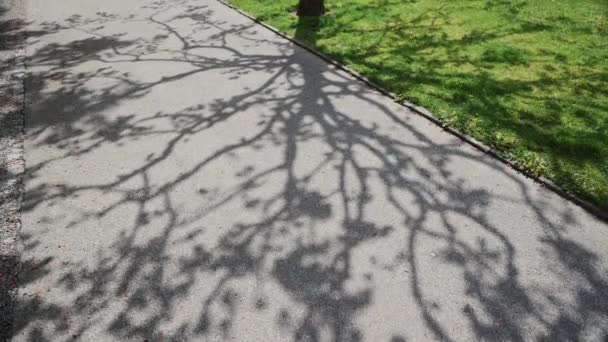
[(310, 8)]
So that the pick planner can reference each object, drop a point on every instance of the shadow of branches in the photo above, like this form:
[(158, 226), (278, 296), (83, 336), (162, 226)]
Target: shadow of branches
[(508, 73), (192, 176)]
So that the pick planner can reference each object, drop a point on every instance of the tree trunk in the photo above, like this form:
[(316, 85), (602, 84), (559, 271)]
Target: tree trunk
[(311, 8)]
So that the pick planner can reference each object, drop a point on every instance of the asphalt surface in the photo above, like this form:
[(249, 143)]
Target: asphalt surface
[(193, 176)]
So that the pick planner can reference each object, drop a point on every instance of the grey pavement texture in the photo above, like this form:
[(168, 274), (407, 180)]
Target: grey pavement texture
[(12, 21), (193, 176)]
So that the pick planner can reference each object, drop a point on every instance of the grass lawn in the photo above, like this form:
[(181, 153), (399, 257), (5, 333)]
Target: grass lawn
[(528, 77)]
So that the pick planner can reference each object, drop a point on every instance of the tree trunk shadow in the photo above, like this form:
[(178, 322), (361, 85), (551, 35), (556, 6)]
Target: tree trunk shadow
[(307, 29)]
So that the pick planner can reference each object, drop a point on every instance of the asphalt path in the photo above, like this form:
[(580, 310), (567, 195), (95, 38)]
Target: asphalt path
[(190, 175)]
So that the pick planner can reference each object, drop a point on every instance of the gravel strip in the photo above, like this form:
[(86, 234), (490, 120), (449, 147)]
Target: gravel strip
[(11, 155)]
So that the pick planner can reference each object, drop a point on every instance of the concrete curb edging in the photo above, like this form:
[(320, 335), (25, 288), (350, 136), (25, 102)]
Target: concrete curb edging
[(586, 205)]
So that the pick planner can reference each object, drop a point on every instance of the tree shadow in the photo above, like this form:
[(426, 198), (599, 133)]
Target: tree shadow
[(487, 82), (307, 29), (295, 202)]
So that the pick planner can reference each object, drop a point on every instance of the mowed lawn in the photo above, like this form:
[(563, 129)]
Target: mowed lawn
[(528, 77)]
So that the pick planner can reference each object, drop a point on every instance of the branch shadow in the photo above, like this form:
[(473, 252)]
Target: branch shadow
[(492, 82)]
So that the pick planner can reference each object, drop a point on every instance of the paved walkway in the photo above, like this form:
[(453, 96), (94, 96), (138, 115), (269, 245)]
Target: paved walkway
[(193, 176)]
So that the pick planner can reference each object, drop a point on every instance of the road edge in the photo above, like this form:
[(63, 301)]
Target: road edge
[(12, 163)]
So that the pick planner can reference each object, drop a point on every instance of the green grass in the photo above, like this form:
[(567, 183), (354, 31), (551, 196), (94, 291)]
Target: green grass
[(528, 77)]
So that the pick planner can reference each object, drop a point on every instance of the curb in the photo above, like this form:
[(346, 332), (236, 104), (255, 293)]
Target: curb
[(584, 204)]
